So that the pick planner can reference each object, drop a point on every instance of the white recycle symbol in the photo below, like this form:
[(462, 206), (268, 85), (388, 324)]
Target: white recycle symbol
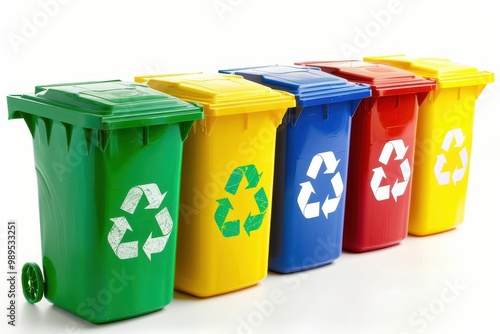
[(458, 173), (384, 192), (311, 210), (127, 250)]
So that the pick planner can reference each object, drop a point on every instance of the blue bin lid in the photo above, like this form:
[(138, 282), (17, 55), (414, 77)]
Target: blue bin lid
[(310, 85)]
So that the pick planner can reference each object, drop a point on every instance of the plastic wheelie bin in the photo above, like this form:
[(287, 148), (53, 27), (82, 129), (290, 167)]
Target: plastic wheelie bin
[(227, 180), (444, 141), (312, 153), (108, 160)]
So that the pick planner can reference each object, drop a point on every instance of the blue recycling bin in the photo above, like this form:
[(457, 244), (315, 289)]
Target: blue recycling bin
[(312, 151)]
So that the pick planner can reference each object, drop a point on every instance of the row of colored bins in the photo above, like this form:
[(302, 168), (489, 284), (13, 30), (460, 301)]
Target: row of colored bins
[(383, 129), (119, 131)]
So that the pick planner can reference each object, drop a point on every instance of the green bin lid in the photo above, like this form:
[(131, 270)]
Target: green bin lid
[(104, 105)]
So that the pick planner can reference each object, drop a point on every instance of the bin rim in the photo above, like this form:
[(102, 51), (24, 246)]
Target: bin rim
[(447, 74), (310, 85), (220, 94), (395, 81), (91, 105)]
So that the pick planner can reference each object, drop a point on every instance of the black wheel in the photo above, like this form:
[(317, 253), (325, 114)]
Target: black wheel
[(32, 281)]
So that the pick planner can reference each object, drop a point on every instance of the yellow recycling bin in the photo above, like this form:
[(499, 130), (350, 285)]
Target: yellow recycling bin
[(227, 177), (444, 141)]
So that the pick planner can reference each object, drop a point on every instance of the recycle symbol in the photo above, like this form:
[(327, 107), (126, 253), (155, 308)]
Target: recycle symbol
[(311, 210), (459, 173), (384, 192), (253, 221), (128, 250)]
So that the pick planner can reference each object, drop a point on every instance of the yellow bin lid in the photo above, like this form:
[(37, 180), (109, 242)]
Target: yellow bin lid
[(220, 94), (446, 73)]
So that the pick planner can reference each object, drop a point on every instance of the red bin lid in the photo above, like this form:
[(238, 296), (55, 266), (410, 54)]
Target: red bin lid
[(384, 79)]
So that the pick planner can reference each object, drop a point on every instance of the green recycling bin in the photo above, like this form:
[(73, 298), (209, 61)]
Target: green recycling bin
[(108, 161)]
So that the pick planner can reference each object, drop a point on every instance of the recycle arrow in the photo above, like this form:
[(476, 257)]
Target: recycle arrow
[(120, 226), (156, 245), (448, 138), (252, 222), (442, 177), (398, 146), (251, 174), (331, 204), (309, 210), (152, 192), (399, 188), (327, 158), (459, 173), (312, 210), (230, 228), (382, 193), (125, 250)]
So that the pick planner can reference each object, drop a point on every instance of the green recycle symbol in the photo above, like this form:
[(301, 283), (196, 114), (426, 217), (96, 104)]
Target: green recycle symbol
[(253, 221)]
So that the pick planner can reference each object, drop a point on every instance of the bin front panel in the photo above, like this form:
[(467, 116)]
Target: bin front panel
[(225, 205), (442, 160), (309, 188), (108, 218), (380, 166)]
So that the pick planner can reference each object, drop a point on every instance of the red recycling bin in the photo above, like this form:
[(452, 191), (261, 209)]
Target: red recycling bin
[(381, 154)]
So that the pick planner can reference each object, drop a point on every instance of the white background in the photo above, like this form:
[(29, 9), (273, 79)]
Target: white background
[(403, 289)]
